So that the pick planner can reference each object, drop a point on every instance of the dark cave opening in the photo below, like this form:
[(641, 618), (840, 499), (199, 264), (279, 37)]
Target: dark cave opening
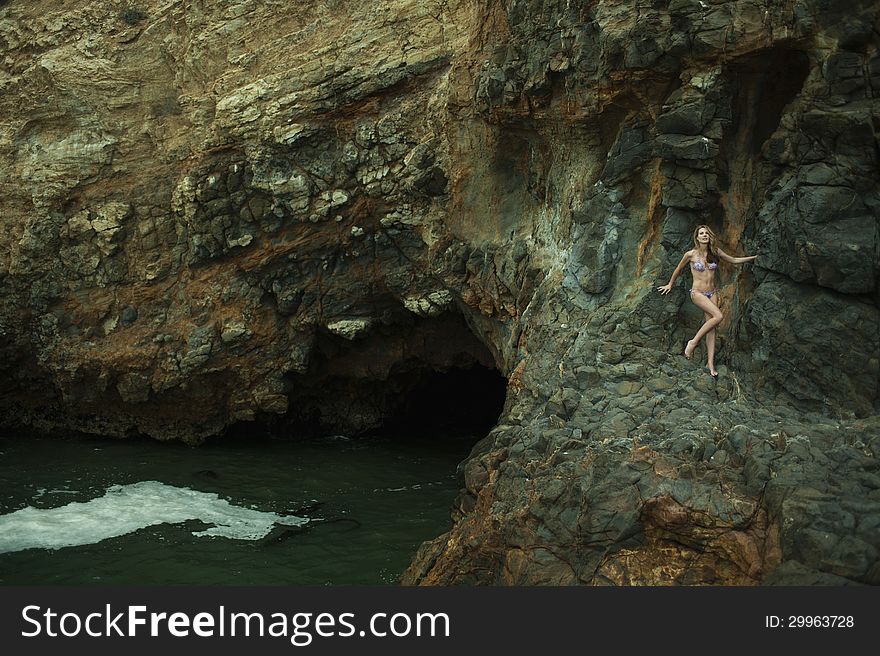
[(763, 84), (412, 376), (454, 401)]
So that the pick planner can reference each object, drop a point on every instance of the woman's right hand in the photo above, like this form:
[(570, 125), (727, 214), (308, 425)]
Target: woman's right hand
[(665, 289)]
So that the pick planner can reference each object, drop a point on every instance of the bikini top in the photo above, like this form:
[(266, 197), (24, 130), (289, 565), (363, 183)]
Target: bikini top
[(699, 266)]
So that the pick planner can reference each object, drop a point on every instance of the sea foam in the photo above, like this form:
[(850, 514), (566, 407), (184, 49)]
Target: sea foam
[(127, 508)]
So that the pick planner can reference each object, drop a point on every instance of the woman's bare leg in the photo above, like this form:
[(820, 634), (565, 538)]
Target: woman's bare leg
[(710, 341), (710, 352), (708, 307)]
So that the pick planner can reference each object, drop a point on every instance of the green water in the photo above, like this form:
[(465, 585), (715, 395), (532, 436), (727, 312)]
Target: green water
[(370, 504)]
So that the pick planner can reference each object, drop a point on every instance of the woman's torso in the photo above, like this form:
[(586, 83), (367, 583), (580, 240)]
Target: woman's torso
[(703, 273)]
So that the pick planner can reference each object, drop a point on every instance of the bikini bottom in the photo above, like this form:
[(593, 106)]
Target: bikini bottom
[(706, 294)]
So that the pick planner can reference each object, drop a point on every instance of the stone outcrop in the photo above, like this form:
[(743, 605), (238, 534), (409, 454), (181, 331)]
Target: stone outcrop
[(212, 210)]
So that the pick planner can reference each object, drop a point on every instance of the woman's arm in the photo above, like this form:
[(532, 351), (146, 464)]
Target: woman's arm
[(735, 260), (665, 289)]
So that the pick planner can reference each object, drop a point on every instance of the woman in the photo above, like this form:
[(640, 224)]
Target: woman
[(703, 261)]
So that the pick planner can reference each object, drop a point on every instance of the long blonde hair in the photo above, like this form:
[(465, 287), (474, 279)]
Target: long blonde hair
[(710, 247)]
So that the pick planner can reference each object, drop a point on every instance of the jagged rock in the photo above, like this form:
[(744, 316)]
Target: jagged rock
[(349, 328)]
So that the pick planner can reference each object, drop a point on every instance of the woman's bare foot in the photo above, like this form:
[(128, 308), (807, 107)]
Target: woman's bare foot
[(713, 372), (689, 349)]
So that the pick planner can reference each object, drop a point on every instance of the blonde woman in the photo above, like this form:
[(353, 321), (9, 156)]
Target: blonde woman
[(703, 262)]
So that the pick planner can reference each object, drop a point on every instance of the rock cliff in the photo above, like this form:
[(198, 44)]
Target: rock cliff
[(212, 210)]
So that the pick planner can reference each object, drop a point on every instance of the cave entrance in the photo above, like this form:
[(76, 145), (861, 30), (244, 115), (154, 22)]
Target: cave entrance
[(763, 84), (416, 376)]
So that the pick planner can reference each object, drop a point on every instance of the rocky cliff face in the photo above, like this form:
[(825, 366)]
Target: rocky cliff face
[(211, 210)]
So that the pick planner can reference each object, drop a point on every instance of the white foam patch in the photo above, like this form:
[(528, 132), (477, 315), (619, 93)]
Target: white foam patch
[(127, 508)]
